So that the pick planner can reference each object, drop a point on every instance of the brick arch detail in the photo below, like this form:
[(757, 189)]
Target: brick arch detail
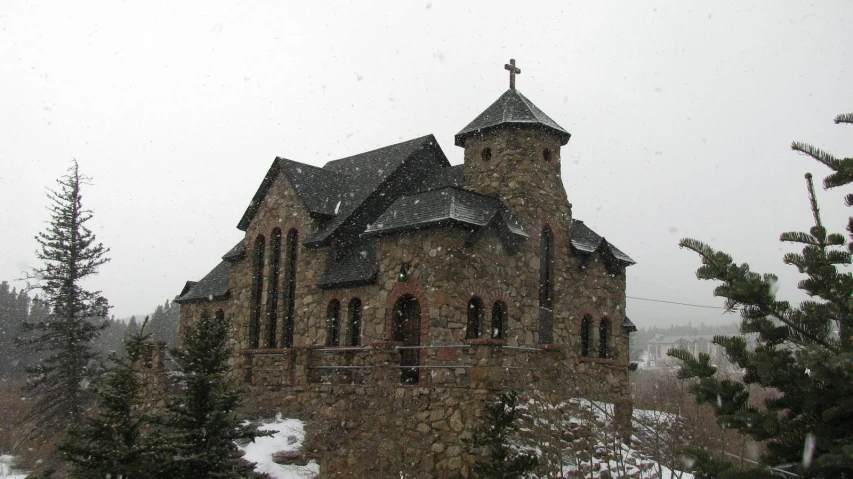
[(496, 295), (401, 289)]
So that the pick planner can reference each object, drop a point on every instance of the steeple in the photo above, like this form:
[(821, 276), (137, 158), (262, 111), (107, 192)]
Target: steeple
[(512, 108), (512, 152)]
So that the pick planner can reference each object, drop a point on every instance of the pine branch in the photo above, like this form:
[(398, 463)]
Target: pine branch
[(816, 153), (844, 118)]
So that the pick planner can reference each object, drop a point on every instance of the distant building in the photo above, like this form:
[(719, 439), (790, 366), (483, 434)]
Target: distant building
[(695, 343)]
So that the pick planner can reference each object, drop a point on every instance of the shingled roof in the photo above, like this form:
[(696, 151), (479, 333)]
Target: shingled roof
[(357, 267), (213, 286), (444, 177), (586, 241), (319, 189), (364, 174), (511, 108), (446, 206)]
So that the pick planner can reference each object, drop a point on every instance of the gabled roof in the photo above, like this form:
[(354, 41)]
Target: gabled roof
[(629, 325), (357, 267), (212, 287), (586, 241), (444, 177), (438, 207), (363, 174), (511, 108), (236, 253), (319, 189)]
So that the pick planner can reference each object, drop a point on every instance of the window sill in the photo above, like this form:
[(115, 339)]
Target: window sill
[(590, 359), (486, 342), (386, 344), (551, 347)]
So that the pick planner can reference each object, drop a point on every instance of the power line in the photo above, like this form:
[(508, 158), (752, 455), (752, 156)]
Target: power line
[(675, 302)]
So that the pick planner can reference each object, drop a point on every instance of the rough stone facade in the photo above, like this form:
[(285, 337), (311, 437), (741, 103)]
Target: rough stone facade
[(385, 405)]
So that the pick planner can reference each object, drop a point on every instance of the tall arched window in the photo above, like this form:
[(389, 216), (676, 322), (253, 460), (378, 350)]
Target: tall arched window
[(290, 287), (498, 319), (546, 287), (586, 330), (354, 322), (257, 293), (272, 296), (475, 316), (604, 338), (333, 317)]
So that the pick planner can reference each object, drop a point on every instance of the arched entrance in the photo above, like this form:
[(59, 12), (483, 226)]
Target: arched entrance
[(407, 329)]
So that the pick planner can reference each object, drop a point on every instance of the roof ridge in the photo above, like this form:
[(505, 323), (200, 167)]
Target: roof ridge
[(413, 140)]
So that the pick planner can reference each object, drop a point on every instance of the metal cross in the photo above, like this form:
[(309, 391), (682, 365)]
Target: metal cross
[(513, 71)]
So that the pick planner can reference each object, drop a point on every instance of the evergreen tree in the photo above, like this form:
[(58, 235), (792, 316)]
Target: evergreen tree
[(122, 439), (495, 435), (75, 317), (203, 414), (164, 323), (803, 352)]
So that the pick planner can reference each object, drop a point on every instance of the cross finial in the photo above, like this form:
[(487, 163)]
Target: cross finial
[(513, 71)]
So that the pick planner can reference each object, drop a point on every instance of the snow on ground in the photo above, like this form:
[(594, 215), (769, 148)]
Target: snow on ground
[(288, 436), (6, 471)]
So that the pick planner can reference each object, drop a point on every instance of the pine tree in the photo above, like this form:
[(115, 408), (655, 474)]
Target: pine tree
[(203, 414), (804, 352), (122, 440), (70, 254), (495, 435)]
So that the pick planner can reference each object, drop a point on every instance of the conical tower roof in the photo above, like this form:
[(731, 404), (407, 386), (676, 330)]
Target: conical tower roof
[(511, 108)]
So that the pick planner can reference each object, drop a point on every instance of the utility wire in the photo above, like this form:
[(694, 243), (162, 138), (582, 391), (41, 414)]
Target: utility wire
[(675, 302)]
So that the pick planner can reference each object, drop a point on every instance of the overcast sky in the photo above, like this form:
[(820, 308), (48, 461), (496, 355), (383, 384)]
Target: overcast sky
[(681, 116)]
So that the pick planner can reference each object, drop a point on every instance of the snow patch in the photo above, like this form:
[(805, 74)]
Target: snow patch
[(262, 449)]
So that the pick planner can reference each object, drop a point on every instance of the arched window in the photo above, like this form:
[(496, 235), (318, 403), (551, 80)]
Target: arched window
[(272, 296), (604, 338), (498, 319), (354, 322), (219, 315), (546, 288), (586, 330), (475, 316), (333, 317), (290, 287), (257, 293)]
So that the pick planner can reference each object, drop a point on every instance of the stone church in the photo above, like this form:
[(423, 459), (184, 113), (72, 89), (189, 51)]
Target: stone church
[(385, 296)]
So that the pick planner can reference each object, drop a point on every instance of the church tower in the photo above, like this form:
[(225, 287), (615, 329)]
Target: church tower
[(512, 151)]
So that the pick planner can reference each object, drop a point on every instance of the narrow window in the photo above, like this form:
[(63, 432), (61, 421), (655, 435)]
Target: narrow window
[(475, 314), (272, 307), (604, 339), (219, 316), (498, 319), (290, 289), (585, 332), (546, 288), (257, 293), (355, 322), (333, 317)]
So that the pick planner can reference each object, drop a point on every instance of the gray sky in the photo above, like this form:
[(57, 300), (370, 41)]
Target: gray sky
[(681, 116)]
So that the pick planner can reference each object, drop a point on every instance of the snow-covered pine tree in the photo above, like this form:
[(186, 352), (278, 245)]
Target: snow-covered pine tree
[(804, 353), (122, 440), (203, 415), (75, 316)]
